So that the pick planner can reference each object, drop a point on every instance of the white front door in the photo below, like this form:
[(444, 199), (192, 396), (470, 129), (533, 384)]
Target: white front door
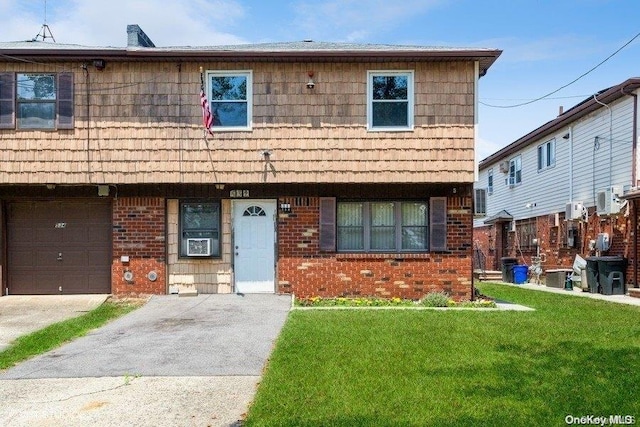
[(254, 245)]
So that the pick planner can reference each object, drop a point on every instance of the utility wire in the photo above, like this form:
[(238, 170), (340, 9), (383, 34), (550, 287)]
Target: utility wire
[(566, 85)]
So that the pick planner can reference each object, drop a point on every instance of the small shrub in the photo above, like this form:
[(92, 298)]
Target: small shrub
[(436, 299)]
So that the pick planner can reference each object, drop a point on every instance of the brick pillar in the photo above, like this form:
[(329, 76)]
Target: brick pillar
[(139, 230)]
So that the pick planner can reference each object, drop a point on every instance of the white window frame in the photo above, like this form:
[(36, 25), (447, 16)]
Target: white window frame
[(480, 202), (546, 154), (248, 74), (409, 74), (515, 171)]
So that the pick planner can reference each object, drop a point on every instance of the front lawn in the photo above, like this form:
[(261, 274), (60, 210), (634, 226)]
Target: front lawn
[(572, 356)]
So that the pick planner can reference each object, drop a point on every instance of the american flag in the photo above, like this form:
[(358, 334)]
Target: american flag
[(207, 117)]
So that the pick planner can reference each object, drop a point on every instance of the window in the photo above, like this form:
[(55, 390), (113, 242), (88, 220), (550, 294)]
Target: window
[(490, 182), (525, 233), (547, 154), (390, 100), (200, 229), (382, 226), (36, 101), (230, 95), (515, 171), (480, 202)]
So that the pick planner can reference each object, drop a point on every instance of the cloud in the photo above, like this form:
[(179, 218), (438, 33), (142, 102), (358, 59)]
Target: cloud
[(354, 20), (174, 23)]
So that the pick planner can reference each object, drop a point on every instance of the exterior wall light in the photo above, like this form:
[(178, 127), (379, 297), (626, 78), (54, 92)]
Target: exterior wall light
[(310, 84)]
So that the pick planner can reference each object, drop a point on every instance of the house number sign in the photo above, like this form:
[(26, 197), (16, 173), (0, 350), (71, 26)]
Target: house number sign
[(61, 225), (239, 193)]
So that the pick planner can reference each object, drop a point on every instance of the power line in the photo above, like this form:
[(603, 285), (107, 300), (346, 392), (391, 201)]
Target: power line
[(566, 85)]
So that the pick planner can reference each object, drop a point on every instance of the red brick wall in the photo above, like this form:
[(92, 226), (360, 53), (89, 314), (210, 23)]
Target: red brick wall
[(552, 240), (305, 271), (139, 233)]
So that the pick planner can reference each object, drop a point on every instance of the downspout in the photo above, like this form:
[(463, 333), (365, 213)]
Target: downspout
[(634, 177), (86, 74), (476, 172), (571, 163)]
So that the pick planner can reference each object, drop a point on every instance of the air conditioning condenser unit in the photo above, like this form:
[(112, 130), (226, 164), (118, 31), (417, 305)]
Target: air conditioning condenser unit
[(573, 211), (607, 201)]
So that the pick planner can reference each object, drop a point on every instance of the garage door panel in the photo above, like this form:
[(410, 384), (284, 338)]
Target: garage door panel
[(75, 259), (21, 258), (99, 234), (47, 234), (63, 244), (75, 234), (20, 235)]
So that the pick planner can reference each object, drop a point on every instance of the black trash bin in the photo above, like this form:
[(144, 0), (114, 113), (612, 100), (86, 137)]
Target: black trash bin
[(592, 274), (507, 268), (611, 274)]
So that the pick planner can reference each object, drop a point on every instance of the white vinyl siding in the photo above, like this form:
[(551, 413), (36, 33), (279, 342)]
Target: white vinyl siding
[(587, 166)]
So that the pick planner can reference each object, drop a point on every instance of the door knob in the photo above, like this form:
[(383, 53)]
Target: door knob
[(59, 256)]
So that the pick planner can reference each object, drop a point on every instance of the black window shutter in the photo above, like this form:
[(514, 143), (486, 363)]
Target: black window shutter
[(438, 224), (65, 101), (328, 224), (7, 100)]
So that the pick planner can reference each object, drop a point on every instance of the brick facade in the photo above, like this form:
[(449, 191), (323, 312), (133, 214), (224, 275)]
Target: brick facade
[(305, 271), (552, 238), (139, 232)]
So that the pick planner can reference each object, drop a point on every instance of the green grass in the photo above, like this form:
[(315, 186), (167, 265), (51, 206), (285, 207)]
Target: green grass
[(59, 333), (572, 356)]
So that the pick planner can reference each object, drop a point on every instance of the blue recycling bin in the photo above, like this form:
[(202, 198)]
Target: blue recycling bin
[(520, 274)]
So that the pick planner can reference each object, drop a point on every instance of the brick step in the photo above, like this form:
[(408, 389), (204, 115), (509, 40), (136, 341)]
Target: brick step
[(634, 292), (488, 275)]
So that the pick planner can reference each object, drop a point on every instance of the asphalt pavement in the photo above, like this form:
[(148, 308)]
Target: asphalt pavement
[(175, 361)]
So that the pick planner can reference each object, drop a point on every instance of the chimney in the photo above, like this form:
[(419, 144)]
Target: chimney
[(560, 110), (137, 38)]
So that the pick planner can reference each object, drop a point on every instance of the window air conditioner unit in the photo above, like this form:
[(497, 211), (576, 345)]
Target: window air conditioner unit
[(573, 211), (607, 201), (504, 166), (199, 247)]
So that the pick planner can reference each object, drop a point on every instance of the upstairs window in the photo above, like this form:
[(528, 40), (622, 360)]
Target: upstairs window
[(547, 155), (490, 182), (390, 100), (515, 171), (36, 101), (230, 95)]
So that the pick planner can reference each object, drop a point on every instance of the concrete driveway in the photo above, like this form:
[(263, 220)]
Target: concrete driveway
[(23, 314), (175, 361)]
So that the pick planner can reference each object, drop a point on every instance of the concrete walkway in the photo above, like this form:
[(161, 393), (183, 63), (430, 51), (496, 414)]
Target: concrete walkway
[(175, 361), (618, 299)]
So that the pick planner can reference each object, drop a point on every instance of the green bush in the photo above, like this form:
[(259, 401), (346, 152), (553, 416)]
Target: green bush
[(437, 299)]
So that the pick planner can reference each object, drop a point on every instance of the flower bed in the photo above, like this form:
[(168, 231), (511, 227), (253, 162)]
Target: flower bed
[(433, 299)]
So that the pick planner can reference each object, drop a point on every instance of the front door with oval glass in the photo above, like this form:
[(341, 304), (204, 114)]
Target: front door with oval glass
[(254, 245)]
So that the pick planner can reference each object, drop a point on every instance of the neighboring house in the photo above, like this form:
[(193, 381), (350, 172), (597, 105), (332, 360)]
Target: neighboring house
[(565, 187), (332, 169)]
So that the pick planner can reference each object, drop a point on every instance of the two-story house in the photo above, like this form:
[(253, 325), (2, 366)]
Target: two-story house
[(330, 169), (567, 188)]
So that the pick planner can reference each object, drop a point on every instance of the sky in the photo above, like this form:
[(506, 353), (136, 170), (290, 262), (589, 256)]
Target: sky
[(546, 44)]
